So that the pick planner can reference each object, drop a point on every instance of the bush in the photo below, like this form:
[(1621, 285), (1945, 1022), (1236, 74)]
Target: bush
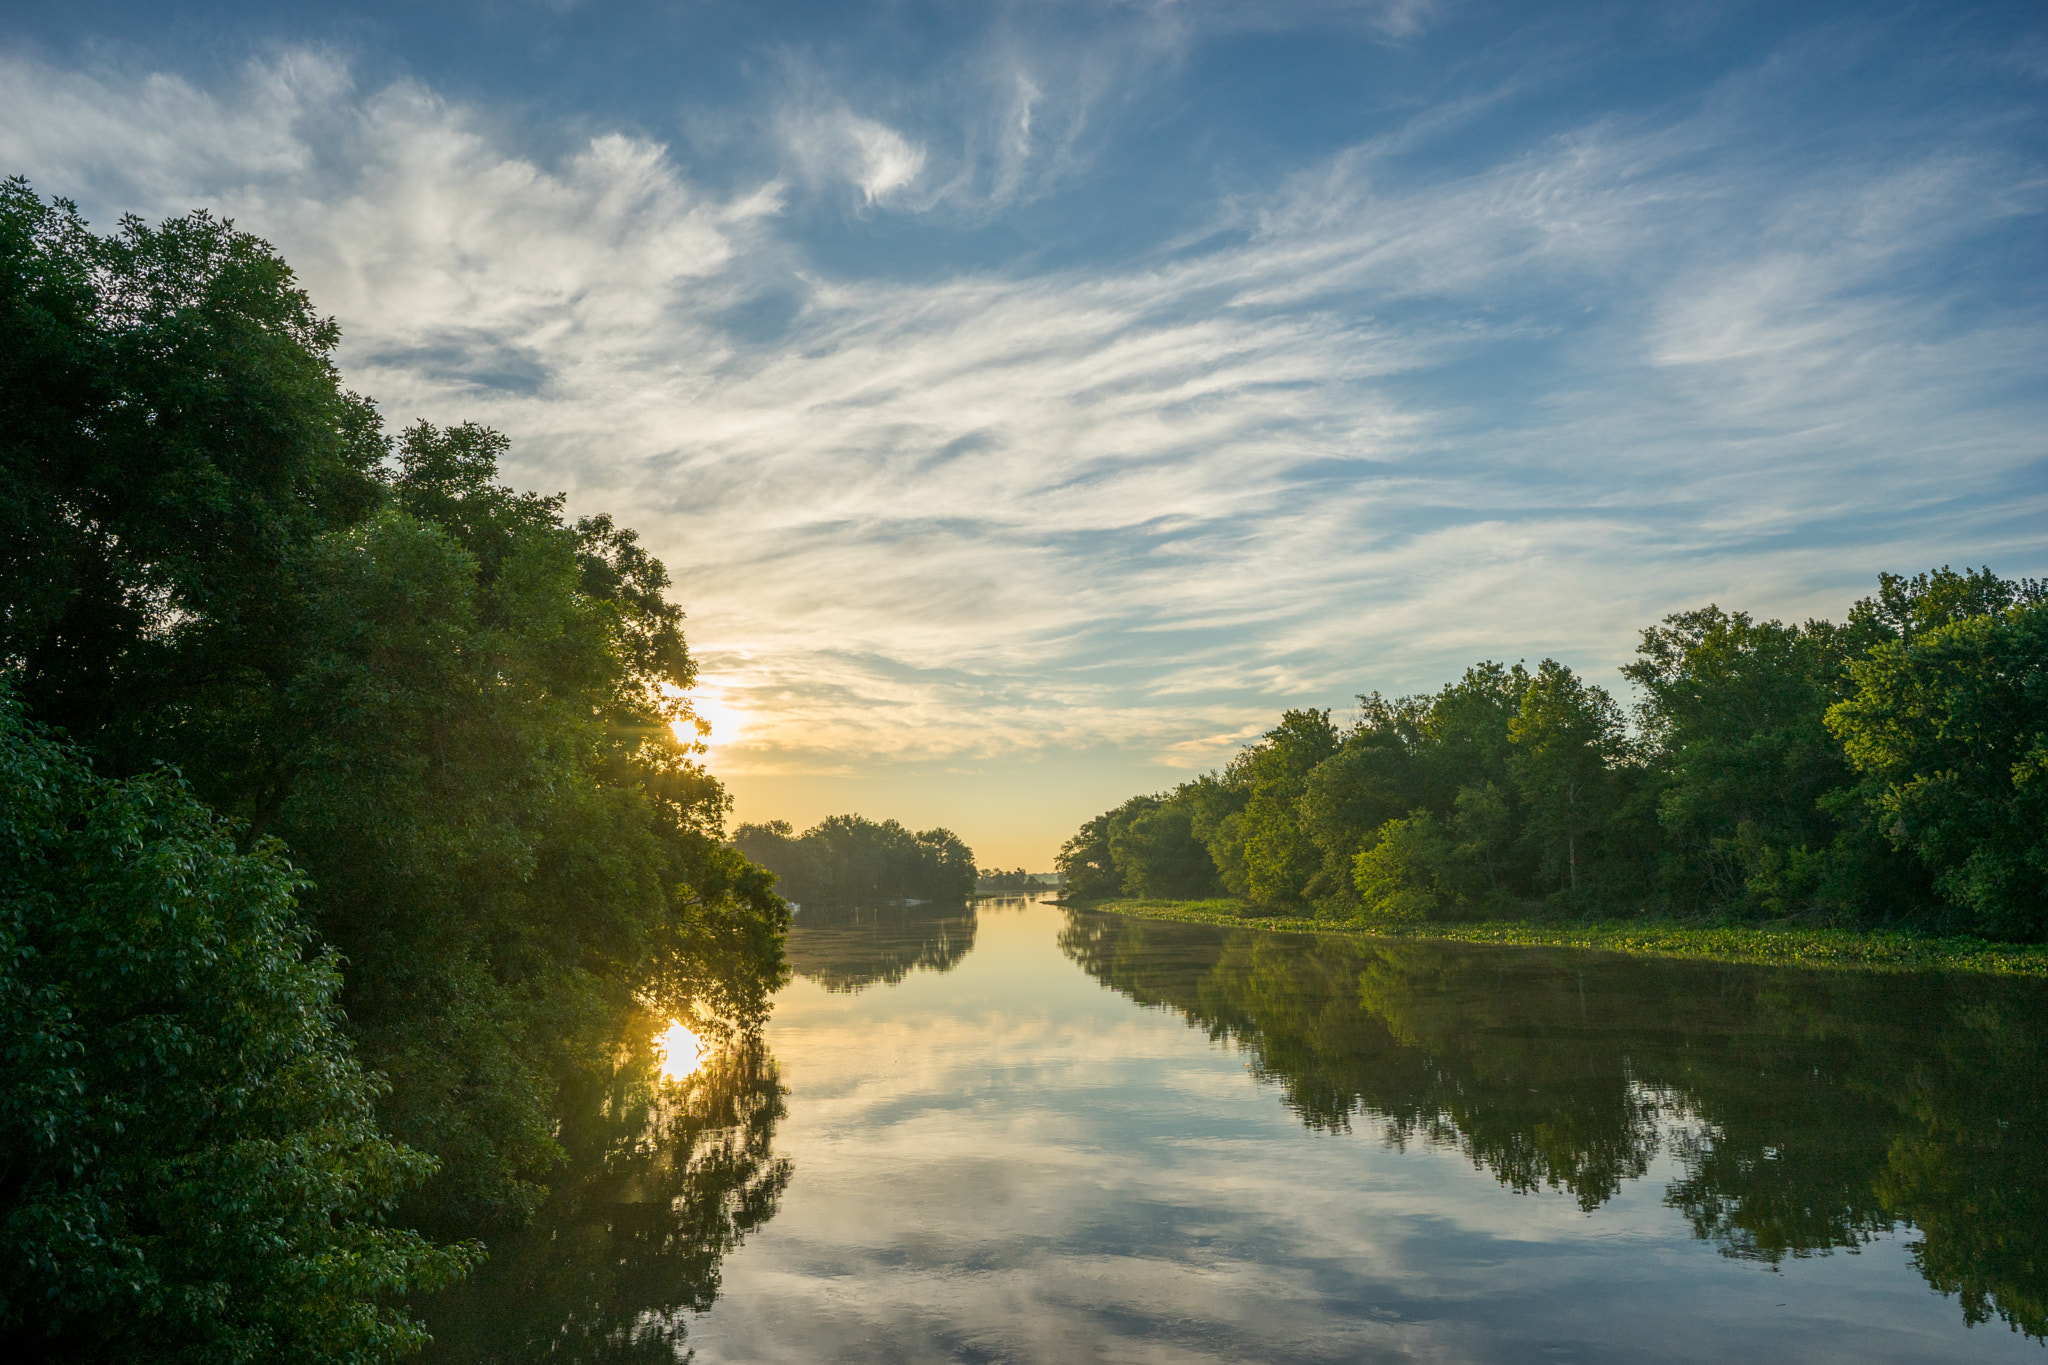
[(192, 1169)]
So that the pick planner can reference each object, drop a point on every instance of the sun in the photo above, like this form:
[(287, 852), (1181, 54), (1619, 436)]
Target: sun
[(682, 1052), (728, 722)]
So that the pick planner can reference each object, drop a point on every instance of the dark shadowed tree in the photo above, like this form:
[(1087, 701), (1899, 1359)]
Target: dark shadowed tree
[(190, 1162)]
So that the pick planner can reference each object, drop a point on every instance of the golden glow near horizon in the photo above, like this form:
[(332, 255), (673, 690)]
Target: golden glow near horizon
[(682, 1052), (728, 722)]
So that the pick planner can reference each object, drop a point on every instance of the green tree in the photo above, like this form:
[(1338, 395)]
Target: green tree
[(1446, 756), (478, 765), (1280, 856), (1216, 803), (1736, 710), (1158, 856), (1375, 776), (1565, 737), (1903, 607), (1087, 862), (1400, 876), (192, 1166), (1949, 728), (457, 707), (1467, 732), (172, 434), (846, 858)]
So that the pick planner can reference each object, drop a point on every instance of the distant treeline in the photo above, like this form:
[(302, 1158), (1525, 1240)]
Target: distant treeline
[(1017, 879), (846, 858), (1891, 770), (343, 823)]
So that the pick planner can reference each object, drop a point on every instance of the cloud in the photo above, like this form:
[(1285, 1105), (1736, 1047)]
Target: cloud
[(1371, 426), (888, 161), (836, 144)]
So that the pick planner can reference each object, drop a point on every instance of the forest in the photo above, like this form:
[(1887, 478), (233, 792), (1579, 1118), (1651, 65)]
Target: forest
[(847, 858), (1888, 771), (345, 825)]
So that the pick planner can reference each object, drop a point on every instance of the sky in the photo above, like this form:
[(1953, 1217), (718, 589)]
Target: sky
[(1032, 400)]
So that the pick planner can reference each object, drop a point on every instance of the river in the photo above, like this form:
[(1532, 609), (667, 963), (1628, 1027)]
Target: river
[(1020, 1133)]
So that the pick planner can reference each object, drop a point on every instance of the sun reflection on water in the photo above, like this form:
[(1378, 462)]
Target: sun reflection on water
[(682, 1052)]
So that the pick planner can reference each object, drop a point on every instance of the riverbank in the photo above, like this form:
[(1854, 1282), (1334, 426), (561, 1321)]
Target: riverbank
[(1841, 949)]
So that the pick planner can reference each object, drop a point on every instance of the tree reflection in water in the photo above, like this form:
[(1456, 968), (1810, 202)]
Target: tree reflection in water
[(1807, 1111), (662, 1182), (852, 947)]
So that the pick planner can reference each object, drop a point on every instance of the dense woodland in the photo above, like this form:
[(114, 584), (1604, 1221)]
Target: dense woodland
[(1890, 770), (847, 858), (344, 825)]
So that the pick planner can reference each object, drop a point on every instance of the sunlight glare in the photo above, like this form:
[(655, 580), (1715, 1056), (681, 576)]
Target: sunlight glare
[(728, 722), (682, 1052)]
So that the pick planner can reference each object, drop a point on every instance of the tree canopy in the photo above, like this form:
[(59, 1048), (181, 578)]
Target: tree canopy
[(1886, 770), (458, 712), (849, 858), (192, 1163)]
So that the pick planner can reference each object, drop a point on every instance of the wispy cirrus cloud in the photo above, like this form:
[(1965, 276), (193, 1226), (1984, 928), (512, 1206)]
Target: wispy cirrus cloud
[(1368, 427)]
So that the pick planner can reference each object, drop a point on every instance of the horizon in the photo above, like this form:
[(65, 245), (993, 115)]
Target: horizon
[(1030, 403)]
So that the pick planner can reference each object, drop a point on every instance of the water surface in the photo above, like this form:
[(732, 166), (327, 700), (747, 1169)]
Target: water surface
[(1020, 1133)]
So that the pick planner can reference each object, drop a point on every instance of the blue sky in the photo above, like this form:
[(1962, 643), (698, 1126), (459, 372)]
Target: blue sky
[(1031, 400)]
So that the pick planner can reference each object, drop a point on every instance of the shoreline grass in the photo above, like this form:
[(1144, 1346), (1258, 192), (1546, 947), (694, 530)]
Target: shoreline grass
[(1837, 949)]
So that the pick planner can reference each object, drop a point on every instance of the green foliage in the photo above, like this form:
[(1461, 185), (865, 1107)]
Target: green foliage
[(508, 842), (1888, 772), (1949, 728), (171, 431), (1567, 749), (193, 1168), (845, 858), (1280, 857), (1400, 878), (1087, 862), (1374, 777), (457, 708), (1735, 708), (1157, 853)]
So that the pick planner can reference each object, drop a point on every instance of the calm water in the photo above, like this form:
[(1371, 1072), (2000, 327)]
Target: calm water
[(1024, 1134)]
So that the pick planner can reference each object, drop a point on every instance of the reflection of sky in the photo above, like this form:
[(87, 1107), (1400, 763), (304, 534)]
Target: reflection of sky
[(1010, 1162), (1031, 399)]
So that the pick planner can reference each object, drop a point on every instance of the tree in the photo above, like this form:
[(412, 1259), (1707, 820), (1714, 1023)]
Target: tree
[(1280, 857), (192, 1166), (1949, 728), (1157, 854), (1375, 776), (1400, 875), (172, 433), (478, 765), (1565, 736), (1736, 710), (848, 858), (1087, 862)]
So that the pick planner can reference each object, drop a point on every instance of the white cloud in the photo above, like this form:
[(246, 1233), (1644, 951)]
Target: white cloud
[(1145, 505), (888, 161)]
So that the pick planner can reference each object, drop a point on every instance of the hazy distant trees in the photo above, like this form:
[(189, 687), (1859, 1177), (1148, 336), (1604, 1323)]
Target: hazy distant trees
[(1008, 879), (1889, 770), (851, 858)]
